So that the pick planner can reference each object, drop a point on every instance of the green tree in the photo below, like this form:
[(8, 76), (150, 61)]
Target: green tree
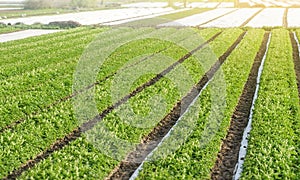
[(40, 4), (36, 4), (84, 3)]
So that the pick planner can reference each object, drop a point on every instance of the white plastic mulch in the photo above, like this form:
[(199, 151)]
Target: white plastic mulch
[(92, 17), (270, 17), (146, 5), (226, 5), (24, 34), (9, 9), (234, 19), (293, 17), (262, 2), (143, 17), (203, 4), (272, 3), (199, 19)]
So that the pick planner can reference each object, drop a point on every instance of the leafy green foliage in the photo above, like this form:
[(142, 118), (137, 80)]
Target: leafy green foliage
[(4, 30), (195, 158), (47, 68), (36, 72), (273, 151), (115, 125)]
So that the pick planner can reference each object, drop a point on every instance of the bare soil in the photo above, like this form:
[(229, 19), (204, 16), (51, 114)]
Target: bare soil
[(228, 155), (134, 159), (76, 133), (296, 60)]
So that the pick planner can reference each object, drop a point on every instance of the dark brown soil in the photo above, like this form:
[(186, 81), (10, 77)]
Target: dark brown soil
[(228, 155), (55, 147), (76, 133), (296, 60), (66, 98), (133, 160)]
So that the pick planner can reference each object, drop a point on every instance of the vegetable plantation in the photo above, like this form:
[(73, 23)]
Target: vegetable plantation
[(163, 103)]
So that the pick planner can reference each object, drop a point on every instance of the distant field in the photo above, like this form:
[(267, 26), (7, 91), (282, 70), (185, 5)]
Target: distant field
[(8, 29), (20, 13)]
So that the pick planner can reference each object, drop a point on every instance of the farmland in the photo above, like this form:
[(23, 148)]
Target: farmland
[(193, 97)]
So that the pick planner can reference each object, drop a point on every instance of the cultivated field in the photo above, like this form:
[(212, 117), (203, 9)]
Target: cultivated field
[(41, 136), (191, 94), (219, 17)]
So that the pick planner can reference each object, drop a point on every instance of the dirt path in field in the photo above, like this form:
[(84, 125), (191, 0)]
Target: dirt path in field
[(24, 34), (199, 25), (228, 155), (135, 158), (285, 16), (76, 133), (296, 58), (248, 20)]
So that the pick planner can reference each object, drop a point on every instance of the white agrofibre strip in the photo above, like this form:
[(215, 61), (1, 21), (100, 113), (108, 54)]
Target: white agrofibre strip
[(280, 4), (234, 19), (270, 17), (226, 5), (203, 4), (201, 18), (262, 2), (146, 5), (273, 3), (92, 17), (293, 2), (24, 34), (206, 4), (9, 9), (143, 17), (293, 17)]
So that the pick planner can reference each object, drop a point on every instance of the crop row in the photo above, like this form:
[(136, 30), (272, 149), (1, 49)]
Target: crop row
[(106, 163), (59, 81), (52, 124), (273, 151), (17, 96), (4, 30), (191, 149), (36, 41), (197, 154), (45, 129), (14, 65), (48, 83)]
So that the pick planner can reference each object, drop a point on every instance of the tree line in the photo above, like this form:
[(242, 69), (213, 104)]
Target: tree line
[(42, 4)]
